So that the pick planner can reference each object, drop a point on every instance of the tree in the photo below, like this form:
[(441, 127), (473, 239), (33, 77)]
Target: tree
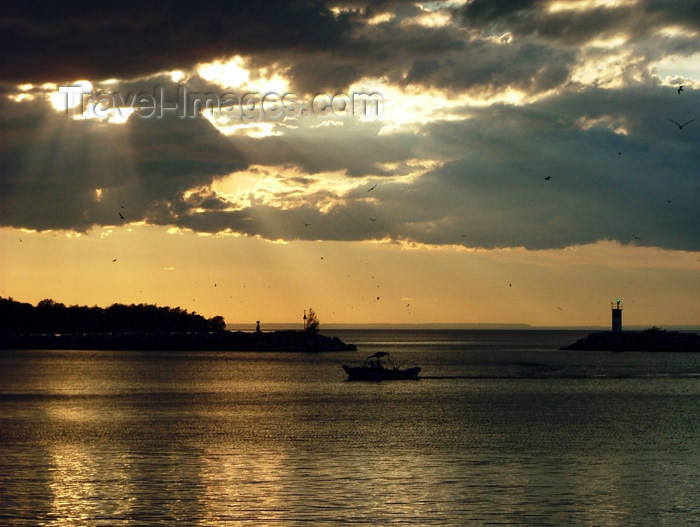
[(312, 322), (216, 323)]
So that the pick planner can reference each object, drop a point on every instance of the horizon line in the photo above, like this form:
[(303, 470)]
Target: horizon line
[(453, 325)]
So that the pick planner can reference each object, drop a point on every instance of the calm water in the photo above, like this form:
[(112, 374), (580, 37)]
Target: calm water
[(502, 429)]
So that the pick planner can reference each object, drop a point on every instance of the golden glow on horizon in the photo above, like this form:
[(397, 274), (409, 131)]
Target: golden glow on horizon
[(246, 278)]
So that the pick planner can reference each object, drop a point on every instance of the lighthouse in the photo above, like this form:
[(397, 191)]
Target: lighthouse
[(616, 316)]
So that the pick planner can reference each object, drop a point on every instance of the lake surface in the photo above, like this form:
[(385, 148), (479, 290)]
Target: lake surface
[(502, 429)]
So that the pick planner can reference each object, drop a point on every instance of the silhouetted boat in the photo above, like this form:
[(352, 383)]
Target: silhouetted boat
[(375, 369)]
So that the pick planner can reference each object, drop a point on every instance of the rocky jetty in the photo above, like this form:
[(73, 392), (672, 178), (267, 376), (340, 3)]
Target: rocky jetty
[(653, 339), (163, 340)]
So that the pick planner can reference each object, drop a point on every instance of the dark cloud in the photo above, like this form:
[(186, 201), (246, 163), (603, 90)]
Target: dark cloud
[(636, 186), (572, 27), (66, 41), (483, 11), (489, 66), (350, 146), (618, 167), (684, 12)]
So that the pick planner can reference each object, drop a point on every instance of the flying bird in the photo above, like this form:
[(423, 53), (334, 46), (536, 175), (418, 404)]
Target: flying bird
[(121, 215), (373, 219), (305, 224), (547, 178), (636, 237), (680, 126), (372, 188), (680, 89)]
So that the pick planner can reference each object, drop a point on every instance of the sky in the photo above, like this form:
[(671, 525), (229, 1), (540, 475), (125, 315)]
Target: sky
[(521, 161)]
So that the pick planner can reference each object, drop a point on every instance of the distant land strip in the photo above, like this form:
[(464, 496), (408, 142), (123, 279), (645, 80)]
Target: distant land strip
[(53, 325)]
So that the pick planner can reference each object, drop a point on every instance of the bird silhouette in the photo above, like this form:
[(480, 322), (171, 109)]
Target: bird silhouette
[(121, 215), (305, 224), (680, 89), (636, 237), (372, 188), (373, 219), (547, 178), (680, 126)]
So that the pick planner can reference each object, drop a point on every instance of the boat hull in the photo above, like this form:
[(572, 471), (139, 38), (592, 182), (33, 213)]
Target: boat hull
[(380, 374)]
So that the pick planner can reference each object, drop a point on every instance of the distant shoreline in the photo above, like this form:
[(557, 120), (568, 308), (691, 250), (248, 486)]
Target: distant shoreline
[(177, 341)]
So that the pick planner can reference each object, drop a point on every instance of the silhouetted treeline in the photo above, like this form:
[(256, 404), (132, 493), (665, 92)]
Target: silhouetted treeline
[(53, 317)]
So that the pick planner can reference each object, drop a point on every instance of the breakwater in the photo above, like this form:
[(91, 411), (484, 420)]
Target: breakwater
[(652, 339)]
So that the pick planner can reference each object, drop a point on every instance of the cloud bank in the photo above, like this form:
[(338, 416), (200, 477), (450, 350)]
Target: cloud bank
[(513, 124)]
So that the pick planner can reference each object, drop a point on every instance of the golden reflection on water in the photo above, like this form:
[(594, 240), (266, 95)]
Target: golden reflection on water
[(72, 477), (245, 487), (131, 441)]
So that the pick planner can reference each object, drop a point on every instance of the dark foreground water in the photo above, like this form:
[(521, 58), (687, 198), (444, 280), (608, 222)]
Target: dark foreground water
[(502, 429)]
